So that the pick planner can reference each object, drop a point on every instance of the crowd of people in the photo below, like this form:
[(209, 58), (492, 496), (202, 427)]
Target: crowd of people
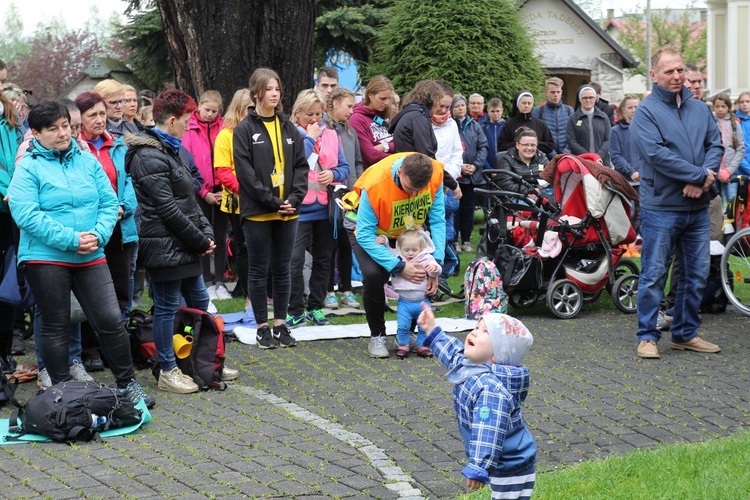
[(117, 183)]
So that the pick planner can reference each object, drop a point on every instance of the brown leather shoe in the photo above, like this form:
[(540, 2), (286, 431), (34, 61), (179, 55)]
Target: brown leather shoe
[(647, 349), (697, 344)]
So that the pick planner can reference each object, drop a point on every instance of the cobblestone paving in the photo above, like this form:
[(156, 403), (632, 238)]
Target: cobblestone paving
[(323, 420)]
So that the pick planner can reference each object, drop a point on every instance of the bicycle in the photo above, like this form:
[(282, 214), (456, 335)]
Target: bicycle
[(737, 255)]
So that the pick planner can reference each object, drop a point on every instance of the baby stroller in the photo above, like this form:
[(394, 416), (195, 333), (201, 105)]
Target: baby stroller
[(567, 250)]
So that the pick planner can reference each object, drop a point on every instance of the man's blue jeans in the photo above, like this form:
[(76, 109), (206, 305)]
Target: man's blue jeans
[(166, 296), (95, 291), (687, 233)]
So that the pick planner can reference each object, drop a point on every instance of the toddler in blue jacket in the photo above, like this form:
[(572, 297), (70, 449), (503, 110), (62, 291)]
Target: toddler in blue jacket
[(490, 385)]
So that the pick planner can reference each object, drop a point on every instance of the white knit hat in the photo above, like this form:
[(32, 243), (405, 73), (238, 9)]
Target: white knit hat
[(510, 338)]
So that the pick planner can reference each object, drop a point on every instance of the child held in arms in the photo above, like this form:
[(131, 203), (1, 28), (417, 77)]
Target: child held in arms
[(490, 385)]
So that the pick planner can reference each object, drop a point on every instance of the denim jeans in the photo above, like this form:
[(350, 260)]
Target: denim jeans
[(133, 265), (269, 250), (729, 190), (166, 296), (317, 236), (93, 287), (687, 233), (74, 341), (407, 313)]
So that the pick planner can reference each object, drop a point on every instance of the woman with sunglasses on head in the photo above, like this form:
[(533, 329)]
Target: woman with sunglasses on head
[(113, 93)]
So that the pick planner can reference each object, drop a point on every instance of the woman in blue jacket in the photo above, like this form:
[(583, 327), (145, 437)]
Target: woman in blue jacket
[(66, 209), (623, 152)]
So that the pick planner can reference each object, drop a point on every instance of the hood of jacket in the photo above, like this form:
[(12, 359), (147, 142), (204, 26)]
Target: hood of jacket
[(195, 123), (361, 109), (429, 245), (409, 111)]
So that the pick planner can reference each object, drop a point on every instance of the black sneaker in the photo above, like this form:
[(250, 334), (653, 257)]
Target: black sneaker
[(265, 339), (134, 392), (18, 348), (283, 336)]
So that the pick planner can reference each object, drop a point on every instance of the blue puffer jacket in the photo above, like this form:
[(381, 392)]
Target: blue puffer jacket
[(125, 192), (676, 146), (744, 168), (54, 196), (556, 118)]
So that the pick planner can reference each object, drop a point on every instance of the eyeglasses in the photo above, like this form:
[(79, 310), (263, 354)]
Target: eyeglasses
[(526, 145), (114, 103), (75, 128), (589, 98)]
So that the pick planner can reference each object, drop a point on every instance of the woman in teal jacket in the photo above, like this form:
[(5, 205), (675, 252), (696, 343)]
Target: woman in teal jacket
[(66, 209)]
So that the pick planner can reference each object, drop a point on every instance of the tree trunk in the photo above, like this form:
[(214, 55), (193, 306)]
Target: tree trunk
[(216, 45)]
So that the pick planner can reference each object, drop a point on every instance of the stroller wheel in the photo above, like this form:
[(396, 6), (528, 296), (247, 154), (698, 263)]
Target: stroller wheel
[(521, 300), (564, 299), (625, 293), (624, 267)]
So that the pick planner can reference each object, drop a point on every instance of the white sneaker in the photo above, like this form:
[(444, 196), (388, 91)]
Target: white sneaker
[(222, 293), (211, 308), (212, 292), (228, 374), (79, 373), (177, 382), (43, 380), (377, 348)]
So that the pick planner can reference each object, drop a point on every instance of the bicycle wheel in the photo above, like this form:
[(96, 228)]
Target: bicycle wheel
[(735, 271)]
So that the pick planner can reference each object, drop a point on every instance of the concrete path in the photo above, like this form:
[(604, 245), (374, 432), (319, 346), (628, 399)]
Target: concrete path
[(323, 420)]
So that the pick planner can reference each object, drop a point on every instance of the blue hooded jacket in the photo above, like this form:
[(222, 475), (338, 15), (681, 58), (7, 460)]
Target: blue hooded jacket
[(125, 192), (54, 196), (677, 145), (487, 400)]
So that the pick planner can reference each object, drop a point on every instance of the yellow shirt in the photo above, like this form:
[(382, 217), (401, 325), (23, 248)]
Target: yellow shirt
[(224, 157), (274, 131)]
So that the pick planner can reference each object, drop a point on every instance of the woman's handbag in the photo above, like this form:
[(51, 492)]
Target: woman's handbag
[(14, 289)]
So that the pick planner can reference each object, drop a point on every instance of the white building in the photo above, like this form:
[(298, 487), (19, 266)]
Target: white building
[(574, 48), (728, 34)]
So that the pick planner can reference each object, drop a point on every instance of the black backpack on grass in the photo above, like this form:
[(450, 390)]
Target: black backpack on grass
[(75, 411)]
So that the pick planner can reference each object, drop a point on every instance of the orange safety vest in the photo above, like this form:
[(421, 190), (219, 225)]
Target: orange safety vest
[(395, 209)]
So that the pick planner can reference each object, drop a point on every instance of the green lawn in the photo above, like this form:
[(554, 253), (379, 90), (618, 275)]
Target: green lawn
[(715, 469)]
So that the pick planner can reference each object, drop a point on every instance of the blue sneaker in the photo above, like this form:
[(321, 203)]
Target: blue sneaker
[(318, 318), (331, 301), (295, 321)]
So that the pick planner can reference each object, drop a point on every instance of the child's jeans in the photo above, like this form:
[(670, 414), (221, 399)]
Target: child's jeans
[(406, 314)]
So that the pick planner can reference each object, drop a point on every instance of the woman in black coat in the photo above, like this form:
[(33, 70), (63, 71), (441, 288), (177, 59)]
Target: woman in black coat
[(523, 159), (174, 233), (520, 116)]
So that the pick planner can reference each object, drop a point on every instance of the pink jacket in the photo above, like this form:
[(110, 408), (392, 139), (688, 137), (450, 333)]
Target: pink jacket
[(199, 139)]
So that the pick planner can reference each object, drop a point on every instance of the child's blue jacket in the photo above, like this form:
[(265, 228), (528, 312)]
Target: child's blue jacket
[(487, 400)]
